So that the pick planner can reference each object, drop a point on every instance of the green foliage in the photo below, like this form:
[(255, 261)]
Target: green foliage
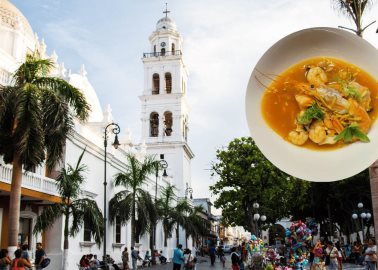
[(245, 176), (134, 200), (313, 112), (351, 132), (36, 114), (80, 210)]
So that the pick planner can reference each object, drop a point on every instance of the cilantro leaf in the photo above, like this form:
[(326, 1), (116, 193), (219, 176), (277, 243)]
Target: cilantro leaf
[(353, 92), (312, 112), (353, 131)]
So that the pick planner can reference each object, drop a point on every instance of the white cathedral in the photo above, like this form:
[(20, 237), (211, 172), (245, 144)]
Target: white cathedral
[(165, 118)]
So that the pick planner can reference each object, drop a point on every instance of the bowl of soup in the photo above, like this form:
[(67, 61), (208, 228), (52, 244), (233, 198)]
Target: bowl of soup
[(312, 104)]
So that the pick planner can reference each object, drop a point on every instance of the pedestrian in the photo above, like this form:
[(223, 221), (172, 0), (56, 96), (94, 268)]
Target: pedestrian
[(125, 259), (212, 254), (4, 259), (18, 262), (189, 260), (178, 257), (134, 258), (332, 254), (371, 255), (235, 259), (340, 256), (95, 262), (40, 255)]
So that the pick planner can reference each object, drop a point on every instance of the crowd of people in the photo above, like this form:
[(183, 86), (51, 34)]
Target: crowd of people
[(22, 259)]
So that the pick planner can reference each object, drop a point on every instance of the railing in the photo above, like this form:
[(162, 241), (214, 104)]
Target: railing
[(157, 54), (30, 180)]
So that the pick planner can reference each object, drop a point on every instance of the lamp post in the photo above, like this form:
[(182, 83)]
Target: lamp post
[(257, 217), (363, 214), (161, 164), (115, 130), (188, 191)]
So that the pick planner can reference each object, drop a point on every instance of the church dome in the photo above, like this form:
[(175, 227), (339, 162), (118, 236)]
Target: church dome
[(165, 23), (12, 18), (81, 82)]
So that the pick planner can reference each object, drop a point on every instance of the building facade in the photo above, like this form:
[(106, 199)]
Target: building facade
[(164, 131)]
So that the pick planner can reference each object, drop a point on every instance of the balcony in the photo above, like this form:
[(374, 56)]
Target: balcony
[(30, 180), (162, 54)]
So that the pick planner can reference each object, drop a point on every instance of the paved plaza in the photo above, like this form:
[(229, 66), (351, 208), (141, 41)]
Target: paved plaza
[(204, 264)]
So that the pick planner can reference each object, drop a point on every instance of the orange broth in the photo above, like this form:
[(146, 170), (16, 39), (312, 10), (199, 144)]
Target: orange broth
[(279, 107)]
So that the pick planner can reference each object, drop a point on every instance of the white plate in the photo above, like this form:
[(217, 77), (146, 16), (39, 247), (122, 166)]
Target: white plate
[(307, 164)]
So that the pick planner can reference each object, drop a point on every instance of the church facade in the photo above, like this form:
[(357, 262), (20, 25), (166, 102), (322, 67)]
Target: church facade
[(165, 116)]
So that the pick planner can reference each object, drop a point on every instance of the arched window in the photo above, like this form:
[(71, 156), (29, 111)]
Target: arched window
[(154, 50), (162, 52), (173, 49), (155, 84), (168, 82), (154, 124), (168, 122)]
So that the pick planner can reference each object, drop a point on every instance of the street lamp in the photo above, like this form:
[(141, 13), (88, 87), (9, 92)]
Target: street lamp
[(364, 214), (257, 217), (115, 130), (161, 164), (188, 191)]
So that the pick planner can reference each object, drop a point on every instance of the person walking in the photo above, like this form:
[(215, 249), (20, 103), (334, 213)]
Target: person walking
[(25, 254), (40, 255), (178, 257), (189, 262), (371, 255), (125, 259), (212, 254), (134, 258)]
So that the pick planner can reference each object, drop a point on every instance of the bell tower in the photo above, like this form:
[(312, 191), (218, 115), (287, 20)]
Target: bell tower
[(165, 107)]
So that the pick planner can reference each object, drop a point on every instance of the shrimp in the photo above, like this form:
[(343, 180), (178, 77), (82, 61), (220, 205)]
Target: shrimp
[(361, 117), (298, 136), (317, 132), (316, 76), (304, 101)]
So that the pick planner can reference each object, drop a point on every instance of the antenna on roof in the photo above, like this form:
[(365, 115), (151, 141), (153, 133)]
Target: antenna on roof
[(166, 11)]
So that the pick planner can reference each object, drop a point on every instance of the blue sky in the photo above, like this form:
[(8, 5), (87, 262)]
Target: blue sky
[(223, 40)]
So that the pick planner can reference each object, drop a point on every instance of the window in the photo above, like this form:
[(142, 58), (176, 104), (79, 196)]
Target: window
[(154, 124), (118, 230), (168, 123), (155, 84), (173, 49), (155, 50), (87, 232), (162, 53), (168, 82)]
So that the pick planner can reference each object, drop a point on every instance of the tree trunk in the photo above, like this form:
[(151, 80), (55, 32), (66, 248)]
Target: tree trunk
[(14, 205), (165, 238), (66, 235), (373, 170), (177, 235), (133, 224)]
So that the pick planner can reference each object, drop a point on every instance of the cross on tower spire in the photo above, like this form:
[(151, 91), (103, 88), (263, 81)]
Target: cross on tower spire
[(166, 11)]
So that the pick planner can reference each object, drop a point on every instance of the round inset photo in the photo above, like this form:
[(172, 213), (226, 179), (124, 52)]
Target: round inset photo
[(312, 104)]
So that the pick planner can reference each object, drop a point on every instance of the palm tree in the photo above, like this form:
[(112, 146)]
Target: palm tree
[(197, 226), (354, 9), (134, 201), (36, 116), (81, 210)]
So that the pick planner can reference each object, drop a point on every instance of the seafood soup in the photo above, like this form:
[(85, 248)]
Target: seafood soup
[(322, 103)]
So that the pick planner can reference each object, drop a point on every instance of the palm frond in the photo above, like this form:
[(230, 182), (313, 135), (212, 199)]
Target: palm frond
[(31, 69), (68, 93), (121, 206), (70, 179), (28, 133), (48, 217), (147, 214), (92, 217)]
